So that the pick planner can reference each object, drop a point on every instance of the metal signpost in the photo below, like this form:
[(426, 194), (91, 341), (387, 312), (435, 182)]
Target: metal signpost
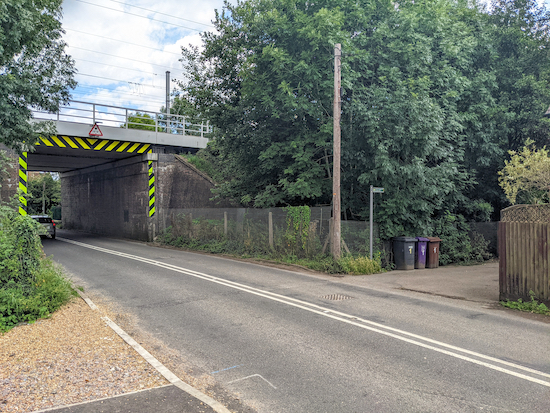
[(373, 190)]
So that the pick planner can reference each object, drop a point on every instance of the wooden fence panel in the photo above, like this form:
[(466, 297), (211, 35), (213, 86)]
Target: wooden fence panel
[(524, 264)]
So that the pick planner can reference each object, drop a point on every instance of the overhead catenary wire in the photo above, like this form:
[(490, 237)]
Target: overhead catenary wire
[(122, 41), (145, 97), (118, 67), (137, 15), (164, 14), (119, 80), (140, 96), (119, 57)]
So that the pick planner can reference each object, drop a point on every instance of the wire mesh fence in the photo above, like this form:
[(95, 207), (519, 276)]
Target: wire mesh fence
[(299, 231)]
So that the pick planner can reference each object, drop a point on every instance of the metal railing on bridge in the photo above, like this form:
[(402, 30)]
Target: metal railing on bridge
[(120, 117)]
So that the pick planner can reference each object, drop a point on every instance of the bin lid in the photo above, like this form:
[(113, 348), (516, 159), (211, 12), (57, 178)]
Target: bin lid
[(405, 239), (422, 239), (434, 239)]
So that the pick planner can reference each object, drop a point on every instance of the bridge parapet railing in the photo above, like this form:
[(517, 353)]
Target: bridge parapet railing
[(117, 116)]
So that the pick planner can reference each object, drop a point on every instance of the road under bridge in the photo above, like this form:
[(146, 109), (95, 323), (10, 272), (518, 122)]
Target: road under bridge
[(118, 167)]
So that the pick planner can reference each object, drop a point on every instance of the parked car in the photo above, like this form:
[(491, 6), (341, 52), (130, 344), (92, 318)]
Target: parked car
[(47, 223)]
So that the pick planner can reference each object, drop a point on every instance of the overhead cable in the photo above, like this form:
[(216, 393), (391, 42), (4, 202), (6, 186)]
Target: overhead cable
[(121, 41), (120, 57), (137, 15), (118, 80), (164, 14)]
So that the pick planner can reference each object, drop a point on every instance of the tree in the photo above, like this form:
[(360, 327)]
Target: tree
[(45, 191), (265, 84), (142, 121), (526, 176), (517, 59), (430, 106), (35, 71)]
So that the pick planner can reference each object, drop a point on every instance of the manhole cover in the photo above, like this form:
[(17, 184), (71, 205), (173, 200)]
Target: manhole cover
[(336, 297)]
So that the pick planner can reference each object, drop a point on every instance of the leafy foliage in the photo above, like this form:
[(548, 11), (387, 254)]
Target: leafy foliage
[(21, 250), (43, 186), (31, 287), (434, 94), (297, 227), (35, 71), (527, 175), (141, 121)]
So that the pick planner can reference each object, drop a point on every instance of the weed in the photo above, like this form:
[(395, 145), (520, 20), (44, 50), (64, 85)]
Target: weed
[(532, 306)]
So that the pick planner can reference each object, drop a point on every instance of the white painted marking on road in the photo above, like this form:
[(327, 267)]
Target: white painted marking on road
[(254, 375), (398, 334)]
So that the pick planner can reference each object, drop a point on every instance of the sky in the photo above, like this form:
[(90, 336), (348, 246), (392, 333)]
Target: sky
[(123, 48)]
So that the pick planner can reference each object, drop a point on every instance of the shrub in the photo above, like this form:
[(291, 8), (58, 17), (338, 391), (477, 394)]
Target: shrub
[(50, 291), (31, 286), (457, 246)]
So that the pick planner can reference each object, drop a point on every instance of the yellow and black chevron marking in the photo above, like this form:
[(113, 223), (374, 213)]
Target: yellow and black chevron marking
[(72, 142), (23, 179), (151, 187)]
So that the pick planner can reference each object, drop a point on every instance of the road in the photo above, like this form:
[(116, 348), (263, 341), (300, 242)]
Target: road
[(293, 342)]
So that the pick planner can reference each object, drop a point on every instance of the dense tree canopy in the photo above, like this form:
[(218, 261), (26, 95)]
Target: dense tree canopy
[(435, 92), (35, 72)]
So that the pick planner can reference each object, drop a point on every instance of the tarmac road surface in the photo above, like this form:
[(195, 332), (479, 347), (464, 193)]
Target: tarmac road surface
[(294, 342)]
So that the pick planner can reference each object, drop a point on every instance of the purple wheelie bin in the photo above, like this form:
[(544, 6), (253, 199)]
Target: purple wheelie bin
[(421, 250)]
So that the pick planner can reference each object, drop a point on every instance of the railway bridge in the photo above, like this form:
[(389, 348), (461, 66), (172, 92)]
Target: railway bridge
[(119, 169)]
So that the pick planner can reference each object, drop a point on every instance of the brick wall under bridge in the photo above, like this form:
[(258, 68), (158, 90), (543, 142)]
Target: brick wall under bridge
[(113, 199)]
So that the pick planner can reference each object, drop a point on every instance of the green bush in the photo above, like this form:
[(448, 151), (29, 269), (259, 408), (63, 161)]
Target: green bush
[(31, 286), (457, 246), (50, 291)]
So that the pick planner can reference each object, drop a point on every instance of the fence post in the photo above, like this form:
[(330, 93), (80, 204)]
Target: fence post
[(225, 223), (271, 230)]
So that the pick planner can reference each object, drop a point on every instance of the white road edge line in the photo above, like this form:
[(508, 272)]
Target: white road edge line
[(171, 377), (161, 368), (343, 317)]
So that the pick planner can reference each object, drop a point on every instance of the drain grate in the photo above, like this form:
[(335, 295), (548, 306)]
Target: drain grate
[(336, 297)]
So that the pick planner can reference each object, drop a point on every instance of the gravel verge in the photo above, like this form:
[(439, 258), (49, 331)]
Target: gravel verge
[(69, 358)]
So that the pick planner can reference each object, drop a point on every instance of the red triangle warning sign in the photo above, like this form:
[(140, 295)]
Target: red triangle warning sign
[(95, 131)]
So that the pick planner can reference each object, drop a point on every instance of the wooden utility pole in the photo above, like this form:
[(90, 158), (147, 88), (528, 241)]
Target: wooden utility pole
[(336, 247)]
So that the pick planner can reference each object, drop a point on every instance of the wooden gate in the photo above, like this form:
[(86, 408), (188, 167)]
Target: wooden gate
[(524, 253)]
